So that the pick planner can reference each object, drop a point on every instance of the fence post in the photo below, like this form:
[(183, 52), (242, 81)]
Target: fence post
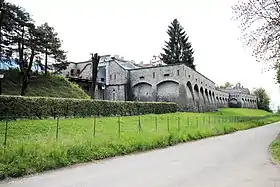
[(156, 123), (204, 121), (6, 133), (119, 126), (179, 124), (168, 123), (94, 126), (57, 126), (139, 124)]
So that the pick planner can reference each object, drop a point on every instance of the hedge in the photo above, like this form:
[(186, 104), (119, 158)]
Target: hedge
[(43, 107)]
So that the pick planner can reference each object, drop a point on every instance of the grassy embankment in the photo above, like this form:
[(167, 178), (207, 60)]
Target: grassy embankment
[(32, 146), (41, 85), (275, 150)]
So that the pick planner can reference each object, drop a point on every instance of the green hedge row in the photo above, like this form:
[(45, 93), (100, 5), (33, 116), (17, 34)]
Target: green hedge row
[(42, 107)]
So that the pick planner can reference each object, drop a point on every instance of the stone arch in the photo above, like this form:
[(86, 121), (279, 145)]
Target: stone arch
[(142, 91), (168, 91), (207, 96), (202, 98), (190, 93), (211, 97), (196, 97)]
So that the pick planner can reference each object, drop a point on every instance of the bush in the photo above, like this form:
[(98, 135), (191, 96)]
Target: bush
[(42, 107)]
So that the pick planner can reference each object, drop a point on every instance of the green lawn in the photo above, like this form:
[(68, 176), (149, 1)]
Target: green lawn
[(275, 149), (37, 145), (41, 85)]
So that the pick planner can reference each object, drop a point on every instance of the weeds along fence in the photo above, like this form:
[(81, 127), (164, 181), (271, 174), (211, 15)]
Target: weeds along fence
[(25, 131)]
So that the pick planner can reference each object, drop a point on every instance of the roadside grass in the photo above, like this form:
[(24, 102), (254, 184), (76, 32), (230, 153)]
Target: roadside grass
[(275, 150), (37, 145)]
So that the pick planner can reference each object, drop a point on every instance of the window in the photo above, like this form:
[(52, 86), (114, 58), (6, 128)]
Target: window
[(154, 75), (71, 72), (78, 71), (166, 75), (119, 87), (178, 72), (102, 79), (142, 77), (111, 77), (115, 76), (189, 76), (195, 79)]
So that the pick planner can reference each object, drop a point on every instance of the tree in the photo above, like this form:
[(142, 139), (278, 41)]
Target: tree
[(25, 43), (51, 46), (178, 49), (24, 40), (95, 61), (226, 85), (263, 99), (260, 26)]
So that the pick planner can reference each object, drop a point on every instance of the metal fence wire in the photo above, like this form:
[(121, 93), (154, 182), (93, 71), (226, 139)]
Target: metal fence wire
[(25, 129)]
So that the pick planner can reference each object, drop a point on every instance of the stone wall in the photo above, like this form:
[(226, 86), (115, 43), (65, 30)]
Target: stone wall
[(177, 83), (172, 83)]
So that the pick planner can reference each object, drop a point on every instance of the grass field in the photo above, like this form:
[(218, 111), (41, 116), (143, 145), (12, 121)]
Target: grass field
[(41, 85), (38, 145), (275, 149)]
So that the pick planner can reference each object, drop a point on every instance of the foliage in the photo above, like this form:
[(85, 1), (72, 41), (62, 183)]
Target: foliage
[(32, 147), (260, 25), (178, 49), (262, 98), (43, 86), (51, 47), (226, 85), (22, 41), (42, 107)]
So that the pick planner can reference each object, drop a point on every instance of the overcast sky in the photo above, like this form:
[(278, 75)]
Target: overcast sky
[(137, 29)]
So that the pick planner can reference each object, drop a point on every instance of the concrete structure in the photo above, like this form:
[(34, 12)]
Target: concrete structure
[(119, 79)]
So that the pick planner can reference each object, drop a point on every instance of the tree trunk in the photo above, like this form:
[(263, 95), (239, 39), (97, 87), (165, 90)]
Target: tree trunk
[(24, 84), (95, 61), (46, 62)]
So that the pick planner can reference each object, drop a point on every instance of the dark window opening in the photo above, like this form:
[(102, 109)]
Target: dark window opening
[(142, 77), (78, 71), (72, 72), (178, 72), (189, 76), (115, 76), (195, 79), (102, 79), (154, 74), (110, 77), (166, 75)]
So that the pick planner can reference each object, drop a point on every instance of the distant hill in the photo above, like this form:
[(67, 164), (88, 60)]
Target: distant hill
[(41, 85)]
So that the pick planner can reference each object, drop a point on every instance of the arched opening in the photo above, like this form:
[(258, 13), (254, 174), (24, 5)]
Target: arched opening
[(196, 98), (211, 98), (168, 91), (142, 91), (207, 97), (202, 97), (190, 94)]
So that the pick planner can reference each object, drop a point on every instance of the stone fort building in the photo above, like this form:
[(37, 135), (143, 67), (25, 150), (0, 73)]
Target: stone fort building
[(123, 80)]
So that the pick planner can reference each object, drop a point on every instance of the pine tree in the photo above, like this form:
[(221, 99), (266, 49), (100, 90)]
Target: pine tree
[(178, 49)]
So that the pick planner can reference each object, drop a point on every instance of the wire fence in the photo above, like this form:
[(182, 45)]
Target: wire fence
[(25, 131)]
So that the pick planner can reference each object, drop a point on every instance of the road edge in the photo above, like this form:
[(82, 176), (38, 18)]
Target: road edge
[(272, 159)]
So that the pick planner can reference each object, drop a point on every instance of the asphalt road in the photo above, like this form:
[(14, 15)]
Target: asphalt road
[(236, 160)]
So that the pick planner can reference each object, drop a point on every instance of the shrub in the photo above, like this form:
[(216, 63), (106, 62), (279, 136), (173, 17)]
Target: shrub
[(42, 107)]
